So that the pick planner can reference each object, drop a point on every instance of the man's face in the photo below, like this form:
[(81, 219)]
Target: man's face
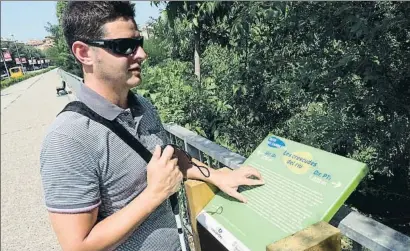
[(119, 70)]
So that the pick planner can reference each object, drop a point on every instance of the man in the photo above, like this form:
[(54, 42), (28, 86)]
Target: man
[(61, 88), (100, 194)]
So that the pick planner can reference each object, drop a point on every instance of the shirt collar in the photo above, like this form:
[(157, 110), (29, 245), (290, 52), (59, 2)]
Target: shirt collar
[(102, 106)]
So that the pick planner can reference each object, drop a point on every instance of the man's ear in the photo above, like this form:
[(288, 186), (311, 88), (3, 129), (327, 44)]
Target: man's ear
[(82, 52)]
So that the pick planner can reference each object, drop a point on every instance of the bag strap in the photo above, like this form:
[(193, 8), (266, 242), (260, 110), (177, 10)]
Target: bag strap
[(127, 137), (114, 126)]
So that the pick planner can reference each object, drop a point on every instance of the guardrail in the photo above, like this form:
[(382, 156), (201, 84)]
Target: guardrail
[(363, 231)]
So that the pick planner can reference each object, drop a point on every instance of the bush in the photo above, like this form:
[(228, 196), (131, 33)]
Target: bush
[(170, 89), (310, 72), (7, 82), (155, 51)]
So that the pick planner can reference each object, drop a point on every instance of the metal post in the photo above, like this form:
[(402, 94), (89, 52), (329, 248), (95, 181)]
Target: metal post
[(32, 65), (5, 65), (22, 68)]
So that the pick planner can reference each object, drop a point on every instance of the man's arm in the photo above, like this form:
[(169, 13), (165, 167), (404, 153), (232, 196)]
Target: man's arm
[(79, 232), (70, 182), (228, 182)]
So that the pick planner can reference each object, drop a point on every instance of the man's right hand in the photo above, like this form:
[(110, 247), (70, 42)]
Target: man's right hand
[(81, 231), (163, 175)]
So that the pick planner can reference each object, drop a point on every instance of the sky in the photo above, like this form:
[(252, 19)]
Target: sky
[(26, 19)]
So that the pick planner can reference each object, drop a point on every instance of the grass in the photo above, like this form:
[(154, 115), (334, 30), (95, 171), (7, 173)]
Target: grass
[(11, 81)]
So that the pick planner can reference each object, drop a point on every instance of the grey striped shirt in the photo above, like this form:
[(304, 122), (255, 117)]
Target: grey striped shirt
[(84, 165)]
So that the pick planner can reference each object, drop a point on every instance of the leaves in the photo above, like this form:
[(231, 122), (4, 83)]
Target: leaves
[(333, 75), (312, 72), (60, 54)]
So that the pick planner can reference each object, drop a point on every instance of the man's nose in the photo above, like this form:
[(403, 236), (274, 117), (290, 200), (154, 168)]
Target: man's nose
[(140, 54)]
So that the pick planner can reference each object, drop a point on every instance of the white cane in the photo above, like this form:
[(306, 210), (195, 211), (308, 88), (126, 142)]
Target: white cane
[(175, 209)]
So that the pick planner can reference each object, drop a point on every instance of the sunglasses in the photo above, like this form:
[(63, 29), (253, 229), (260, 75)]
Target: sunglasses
[(120, 46), (185, 160)]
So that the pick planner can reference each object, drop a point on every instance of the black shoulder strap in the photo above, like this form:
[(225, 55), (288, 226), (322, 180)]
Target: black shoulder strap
[(114, 126)]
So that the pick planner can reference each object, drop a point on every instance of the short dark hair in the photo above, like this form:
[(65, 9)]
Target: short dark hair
[(83, 20)]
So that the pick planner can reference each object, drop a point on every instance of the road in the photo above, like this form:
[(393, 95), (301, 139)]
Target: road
[(27, 108)]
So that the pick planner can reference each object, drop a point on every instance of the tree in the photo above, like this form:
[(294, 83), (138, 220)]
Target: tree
[(330, 75), (195, 15), (60, 54), (24, 50)]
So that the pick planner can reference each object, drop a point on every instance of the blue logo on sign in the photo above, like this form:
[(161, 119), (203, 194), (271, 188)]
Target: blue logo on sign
[(276, 143)]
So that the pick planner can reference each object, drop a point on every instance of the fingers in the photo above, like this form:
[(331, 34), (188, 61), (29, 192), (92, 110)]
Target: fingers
[(252, 182), (157, 153), (178, 180), (180, 176), (238, 196), (167, 154), (250, 171), (172, 163)]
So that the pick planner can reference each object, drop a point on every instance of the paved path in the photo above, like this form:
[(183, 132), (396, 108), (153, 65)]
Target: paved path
[(27, 108)]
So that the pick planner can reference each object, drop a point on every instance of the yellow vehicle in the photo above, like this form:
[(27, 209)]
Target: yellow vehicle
[(16, 72)]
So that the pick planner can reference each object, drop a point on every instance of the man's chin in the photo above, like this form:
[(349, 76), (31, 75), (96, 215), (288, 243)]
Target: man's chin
[(134, 81)]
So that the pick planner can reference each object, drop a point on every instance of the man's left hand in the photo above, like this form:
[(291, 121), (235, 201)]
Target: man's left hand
[(229, 181)]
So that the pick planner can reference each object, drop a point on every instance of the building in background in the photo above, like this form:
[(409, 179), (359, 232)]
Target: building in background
[(44, 44), (5, 40), (146, 31), (9, 57)]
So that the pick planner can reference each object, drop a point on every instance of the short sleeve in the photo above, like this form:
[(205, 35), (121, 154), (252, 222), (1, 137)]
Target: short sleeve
[(69, 175), (153, 124)]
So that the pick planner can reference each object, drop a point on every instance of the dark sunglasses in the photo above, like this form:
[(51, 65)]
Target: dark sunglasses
[(120, 46), (185, 160)]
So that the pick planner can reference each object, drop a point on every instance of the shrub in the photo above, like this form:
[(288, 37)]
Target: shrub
[(7, 82)]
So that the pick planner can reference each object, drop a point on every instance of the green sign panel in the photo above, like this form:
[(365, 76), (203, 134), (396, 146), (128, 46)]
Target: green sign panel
[(303, 185)]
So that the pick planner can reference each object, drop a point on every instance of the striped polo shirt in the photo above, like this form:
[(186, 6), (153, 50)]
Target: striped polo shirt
[(84, 165)]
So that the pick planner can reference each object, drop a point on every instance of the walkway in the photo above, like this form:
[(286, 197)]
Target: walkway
[(27, 108)]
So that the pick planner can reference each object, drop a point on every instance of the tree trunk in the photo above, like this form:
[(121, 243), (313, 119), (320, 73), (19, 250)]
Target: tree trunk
[(196, 56)]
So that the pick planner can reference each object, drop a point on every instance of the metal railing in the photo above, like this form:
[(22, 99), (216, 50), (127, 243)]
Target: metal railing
[(363, 232)]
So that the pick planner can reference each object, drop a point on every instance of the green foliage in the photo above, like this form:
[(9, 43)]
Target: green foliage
[(24, 50), (169, 84), (333, 75), (193, 16), (60, 7), (155, 50), (7, 82), (60, 54)]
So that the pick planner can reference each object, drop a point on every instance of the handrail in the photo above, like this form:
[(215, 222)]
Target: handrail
[(365, 231), (362, 230)]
